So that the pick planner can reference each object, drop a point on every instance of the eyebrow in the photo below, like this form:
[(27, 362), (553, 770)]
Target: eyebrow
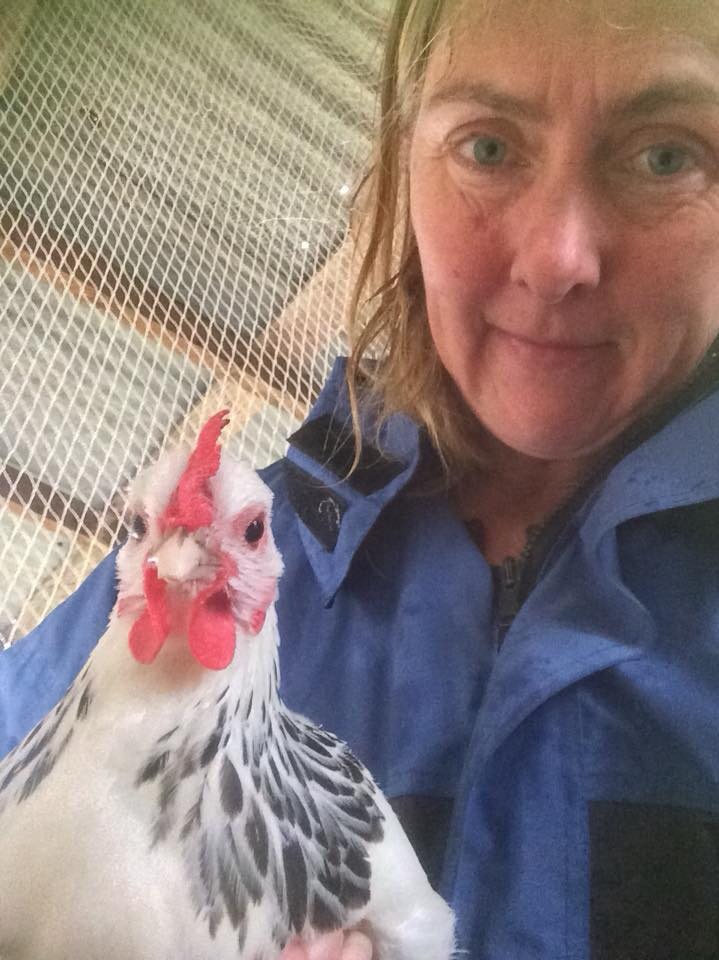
[(665, 94), (489, 96), (661, 95)]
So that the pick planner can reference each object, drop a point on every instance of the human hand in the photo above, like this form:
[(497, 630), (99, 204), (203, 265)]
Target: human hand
[(334, 946)]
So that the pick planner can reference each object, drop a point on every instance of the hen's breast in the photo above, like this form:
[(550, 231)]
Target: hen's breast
[(91, 806)]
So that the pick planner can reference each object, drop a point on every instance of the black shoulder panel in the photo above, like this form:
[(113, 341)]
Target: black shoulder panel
[(330, 442), (320, 508)]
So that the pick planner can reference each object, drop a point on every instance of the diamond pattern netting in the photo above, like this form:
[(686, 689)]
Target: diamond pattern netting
[(174, 177)]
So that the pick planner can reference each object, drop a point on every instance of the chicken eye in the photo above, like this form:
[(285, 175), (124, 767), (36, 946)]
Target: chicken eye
[(254, 531), (138, 527)]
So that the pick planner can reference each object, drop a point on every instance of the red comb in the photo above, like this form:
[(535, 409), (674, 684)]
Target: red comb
[(191, 503)]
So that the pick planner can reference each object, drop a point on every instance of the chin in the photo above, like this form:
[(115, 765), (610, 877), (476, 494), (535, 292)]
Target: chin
[(543, 440)]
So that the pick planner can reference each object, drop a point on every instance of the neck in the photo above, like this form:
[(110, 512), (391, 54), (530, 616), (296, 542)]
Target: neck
[(515, 493), (164, 692), (253, 684)]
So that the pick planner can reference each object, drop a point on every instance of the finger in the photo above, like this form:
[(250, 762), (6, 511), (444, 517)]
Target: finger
[(295, 950), (332, 946), (357, 947), (328, 947)]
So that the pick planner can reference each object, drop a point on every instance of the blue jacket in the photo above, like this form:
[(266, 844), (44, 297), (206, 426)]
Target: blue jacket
[(561, 778)]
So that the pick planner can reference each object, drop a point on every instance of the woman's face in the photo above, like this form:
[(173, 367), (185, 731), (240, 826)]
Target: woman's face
[(564, 184)]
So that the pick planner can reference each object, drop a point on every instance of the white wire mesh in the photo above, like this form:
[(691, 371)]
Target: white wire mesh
[(173, 178)]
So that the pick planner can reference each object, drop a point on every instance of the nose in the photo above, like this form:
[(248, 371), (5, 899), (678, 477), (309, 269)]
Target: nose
[(556, 239), (180, 557)]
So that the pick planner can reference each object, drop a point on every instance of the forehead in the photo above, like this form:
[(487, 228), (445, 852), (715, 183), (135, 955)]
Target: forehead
[(562, 48), (616, 19)]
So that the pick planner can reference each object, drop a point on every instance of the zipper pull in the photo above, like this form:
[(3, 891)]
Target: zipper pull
[(508, 596)]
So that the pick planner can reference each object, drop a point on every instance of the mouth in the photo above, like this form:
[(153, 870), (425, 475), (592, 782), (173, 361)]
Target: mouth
[(549, 343), (550, 351)]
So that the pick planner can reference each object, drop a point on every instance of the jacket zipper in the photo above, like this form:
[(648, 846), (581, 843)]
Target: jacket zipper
[(509, 596), (517, 576)]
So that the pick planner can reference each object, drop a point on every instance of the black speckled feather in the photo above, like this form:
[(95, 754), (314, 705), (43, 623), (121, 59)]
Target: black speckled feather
[(280, 818)]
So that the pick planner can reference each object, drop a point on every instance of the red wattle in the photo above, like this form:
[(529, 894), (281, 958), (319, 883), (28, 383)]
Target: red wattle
[(211, 627), (144, 642), (211, 631), (257, 621), (151, 628)]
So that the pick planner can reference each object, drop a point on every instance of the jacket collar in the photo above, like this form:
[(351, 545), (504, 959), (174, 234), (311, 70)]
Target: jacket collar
[(337, 511), (671, 463), (678, 466)]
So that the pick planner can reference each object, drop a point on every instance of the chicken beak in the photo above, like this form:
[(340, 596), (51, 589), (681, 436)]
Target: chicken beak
[(180, 558)]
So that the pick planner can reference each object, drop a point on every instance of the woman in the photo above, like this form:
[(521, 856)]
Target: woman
[(514, 592)]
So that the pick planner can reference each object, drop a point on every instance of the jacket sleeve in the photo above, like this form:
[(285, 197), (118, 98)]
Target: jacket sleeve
[(36, 670)]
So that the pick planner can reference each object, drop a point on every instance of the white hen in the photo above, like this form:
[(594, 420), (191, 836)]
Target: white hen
[(170, 807)]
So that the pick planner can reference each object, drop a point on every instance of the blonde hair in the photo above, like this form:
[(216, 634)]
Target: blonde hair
[(388, 322)]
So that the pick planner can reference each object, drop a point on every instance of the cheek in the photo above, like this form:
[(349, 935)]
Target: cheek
[(671, 288), (460, 253), (683, 249)]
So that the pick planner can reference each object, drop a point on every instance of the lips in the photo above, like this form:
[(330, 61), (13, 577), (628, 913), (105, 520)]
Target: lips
[(549, 363), (547, 343)]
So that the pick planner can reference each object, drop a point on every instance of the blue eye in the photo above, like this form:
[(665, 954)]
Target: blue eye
[(488, 151), (666, 159)]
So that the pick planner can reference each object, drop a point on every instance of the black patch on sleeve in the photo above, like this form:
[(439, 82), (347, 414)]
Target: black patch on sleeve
[(330, 442), (654, 882), (426, 822), (318, 507)]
